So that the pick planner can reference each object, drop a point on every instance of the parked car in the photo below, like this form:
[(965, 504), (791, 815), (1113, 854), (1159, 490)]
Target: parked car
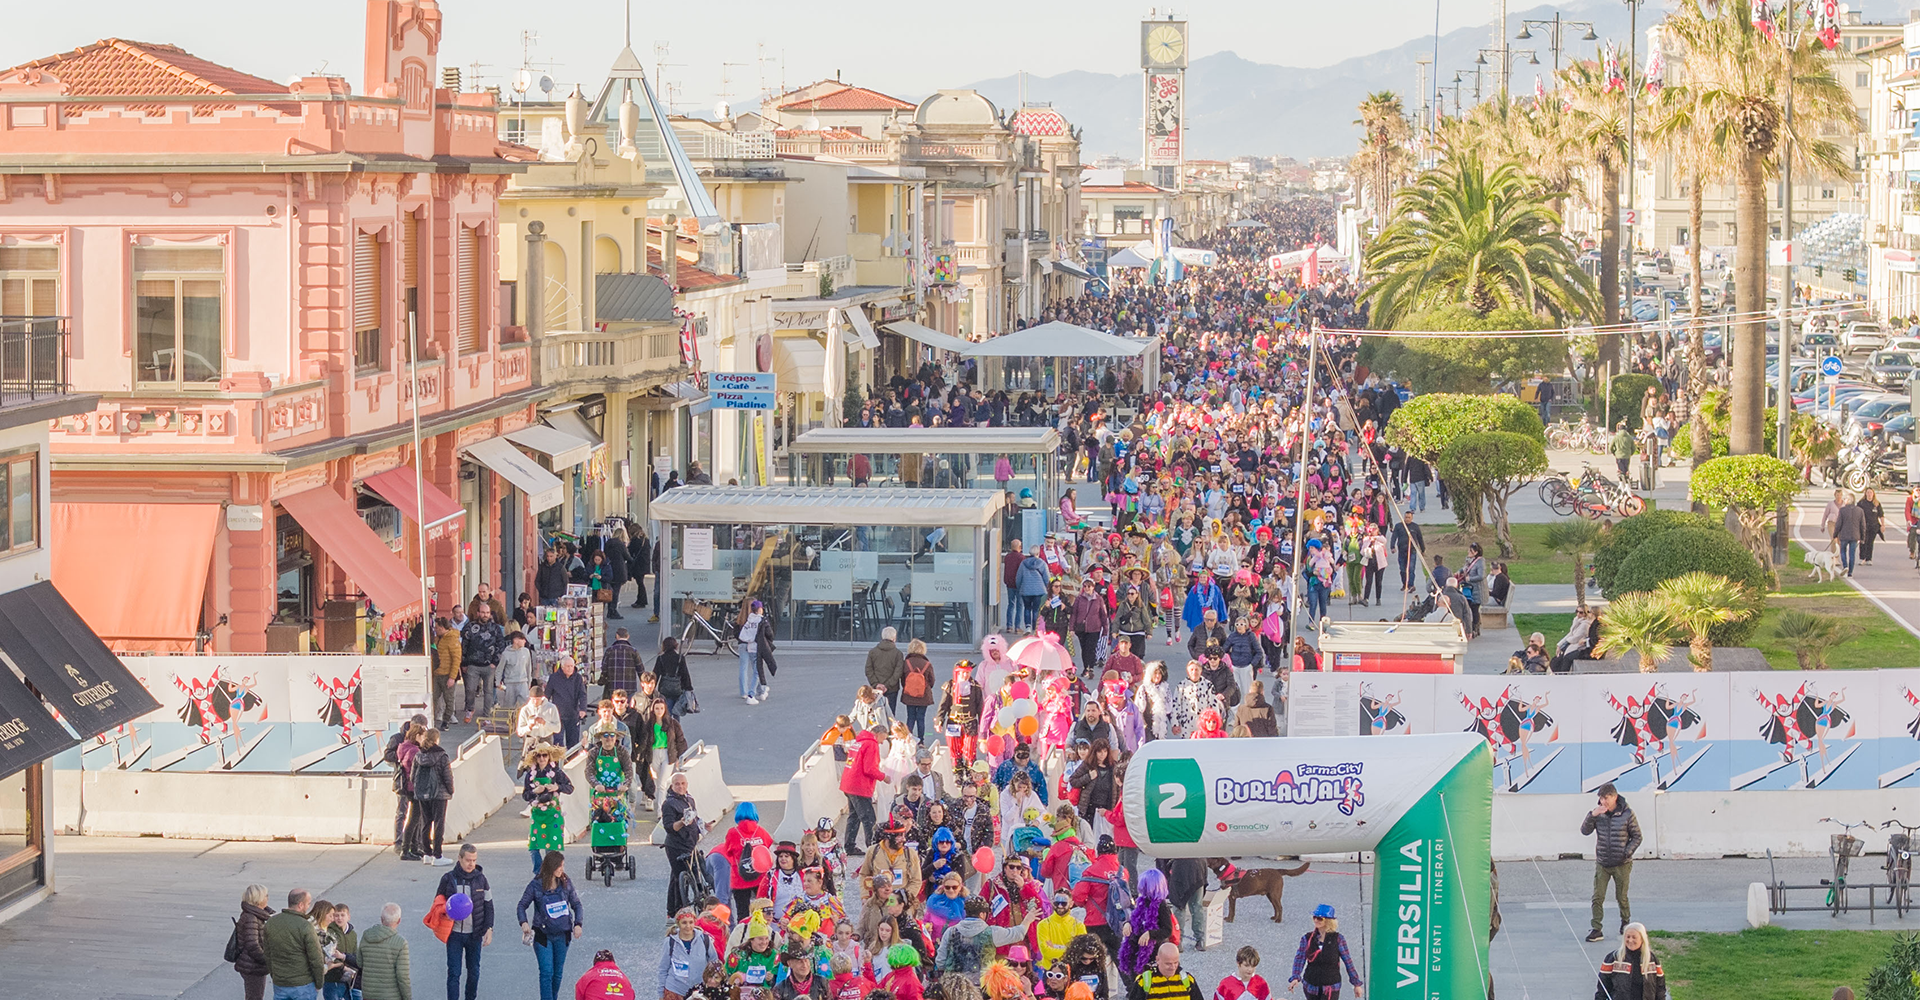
[(1863, 337), (1819, 345), (1665, 264), (1647, 269), (1899, 430), (1890, 368), (1909, 344)]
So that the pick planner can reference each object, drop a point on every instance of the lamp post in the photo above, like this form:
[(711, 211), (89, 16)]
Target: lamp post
[(1555, 26), (1505, 57), (1461, 74)]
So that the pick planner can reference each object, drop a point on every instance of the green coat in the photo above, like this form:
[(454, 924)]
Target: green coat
[(293, 950), (385, 973)]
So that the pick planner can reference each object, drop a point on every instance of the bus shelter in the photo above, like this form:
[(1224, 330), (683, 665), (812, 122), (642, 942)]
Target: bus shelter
[(830, 564), (930, 457), (1056, 356)]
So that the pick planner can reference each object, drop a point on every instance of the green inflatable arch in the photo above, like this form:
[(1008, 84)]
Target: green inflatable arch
[(1422, 804)]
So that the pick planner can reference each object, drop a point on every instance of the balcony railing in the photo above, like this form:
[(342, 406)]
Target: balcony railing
[(611, 357), (33, 358)]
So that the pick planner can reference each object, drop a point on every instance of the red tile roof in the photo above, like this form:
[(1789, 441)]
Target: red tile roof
[(1130, 187), (691, 278), (833, 134), (120, 66), (847, 99), (1038, 121)]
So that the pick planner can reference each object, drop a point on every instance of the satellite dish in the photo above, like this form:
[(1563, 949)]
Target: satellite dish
[(521, 81), (546, 84), (812, 124), (723, 111), (293, 79)]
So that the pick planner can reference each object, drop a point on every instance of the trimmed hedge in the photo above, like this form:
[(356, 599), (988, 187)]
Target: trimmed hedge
[(1629, 534), (1669, 554), (1623, 398)]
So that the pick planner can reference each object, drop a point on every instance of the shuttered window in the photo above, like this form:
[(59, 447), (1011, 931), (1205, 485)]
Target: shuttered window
[(369, 347), (29, 281), (410, 249), (473, 337), (179, 301)]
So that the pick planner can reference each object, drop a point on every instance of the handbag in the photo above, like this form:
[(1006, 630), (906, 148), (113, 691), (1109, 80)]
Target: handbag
[(603, 596), (691, 705), (232, 953)]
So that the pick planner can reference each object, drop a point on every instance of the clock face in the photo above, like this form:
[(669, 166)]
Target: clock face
[(1165, 45)]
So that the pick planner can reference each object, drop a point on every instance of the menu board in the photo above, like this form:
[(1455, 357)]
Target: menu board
[(696, 548)]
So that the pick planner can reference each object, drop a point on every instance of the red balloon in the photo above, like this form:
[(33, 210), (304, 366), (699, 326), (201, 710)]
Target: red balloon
[(983, 860), (996, 743), (762, 858)]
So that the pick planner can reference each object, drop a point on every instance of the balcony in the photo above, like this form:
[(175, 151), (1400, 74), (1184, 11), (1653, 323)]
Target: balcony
[(954, 152), (33, 359), (611, 360)]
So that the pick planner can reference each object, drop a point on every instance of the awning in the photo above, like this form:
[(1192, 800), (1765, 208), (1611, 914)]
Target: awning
[(1059, 340), (1073, 270), (863, 328), (800, 363), (347, 540), (72, 669), (396, 486), (562, 449), (831, 505), (571, 423), (28, 735), (543, 489), (928, 336), (137, 541), (1131, 257)]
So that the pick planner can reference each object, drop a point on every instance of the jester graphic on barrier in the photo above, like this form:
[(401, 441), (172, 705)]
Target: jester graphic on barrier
[(1509, 723)]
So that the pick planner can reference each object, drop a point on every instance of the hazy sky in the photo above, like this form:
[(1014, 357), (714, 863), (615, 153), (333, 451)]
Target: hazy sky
[(905, 48)]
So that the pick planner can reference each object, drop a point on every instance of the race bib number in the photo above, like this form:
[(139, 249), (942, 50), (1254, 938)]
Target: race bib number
[(558, 910), (953, 730), (756, 975)]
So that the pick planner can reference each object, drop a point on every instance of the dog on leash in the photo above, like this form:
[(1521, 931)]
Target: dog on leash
[(1268, 882), (1825, 563)]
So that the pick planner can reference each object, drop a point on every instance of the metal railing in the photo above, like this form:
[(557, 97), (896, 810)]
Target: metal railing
[(33, 358)]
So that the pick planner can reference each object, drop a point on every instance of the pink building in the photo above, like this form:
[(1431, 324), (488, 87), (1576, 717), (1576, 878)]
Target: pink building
[(236, 264)]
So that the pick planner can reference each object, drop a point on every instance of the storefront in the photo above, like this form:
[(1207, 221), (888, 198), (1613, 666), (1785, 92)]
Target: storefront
[(61, 667), (929, 457), (833, 564)]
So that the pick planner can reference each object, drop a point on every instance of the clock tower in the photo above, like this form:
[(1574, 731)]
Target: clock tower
[(1163, 58)]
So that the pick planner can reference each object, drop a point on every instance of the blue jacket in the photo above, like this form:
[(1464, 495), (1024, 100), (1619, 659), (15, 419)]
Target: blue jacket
[(1030, 580), (544, 919), (568, 694), (1203, 595), (474, 884)]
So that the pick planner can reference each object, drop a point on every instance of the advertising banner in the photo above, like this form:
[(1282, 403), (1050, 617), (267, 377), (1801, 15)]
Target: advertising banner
[(1423, 804), (1166, 114)]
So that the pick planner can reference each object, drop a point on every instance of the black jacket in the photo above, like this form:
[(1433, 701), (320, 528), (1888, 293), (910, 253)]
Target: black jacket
[(474, 884), (253, 949), (671, 670), (550, 581), (617, 559), (673, 810), (1617, 979), (433, 759), (1617, 834)]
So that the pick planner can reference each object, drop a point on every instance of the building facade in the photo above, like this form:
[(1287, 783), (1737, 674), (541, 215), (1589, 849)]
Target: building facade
[(286, 297)]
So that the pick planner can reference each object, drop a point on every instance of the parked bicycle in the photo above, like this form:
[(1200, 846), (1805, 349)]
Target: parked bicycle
[(1899, 865), (1591, 496), (701, 625), (1842, 848), (1566, 435)]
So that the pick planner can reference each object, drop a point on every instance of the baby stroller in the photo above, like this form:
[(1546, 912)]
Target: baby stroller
[(608, 830)]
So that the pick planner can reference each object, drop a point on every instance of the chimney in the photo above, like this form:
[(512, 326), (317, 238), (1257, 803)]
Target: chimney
[(450, 78)]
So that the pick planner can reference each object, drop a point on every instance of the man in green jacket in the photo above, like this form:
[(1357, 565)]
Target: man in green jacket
[(1621, 447), (293, 950), (385, 971)]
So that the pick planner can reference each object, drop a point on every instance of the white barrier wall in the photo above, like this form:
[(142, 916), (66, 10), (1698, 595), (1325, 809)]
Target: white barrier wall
[(707, 783)]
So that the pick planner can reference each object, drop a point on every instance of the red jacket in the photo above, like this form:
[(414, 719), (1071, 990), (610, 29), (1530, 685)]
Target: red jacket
[(1092, 894), (741, 838), (604, 981), (863, 768), (1118, 817), (904, 984), (1053, 868)]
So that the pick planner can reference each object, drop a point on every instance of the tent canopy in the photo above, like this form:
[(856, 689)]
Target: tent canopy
[(1059, 340), (826, 505), (1130, 257), (926, 440), (1246, 224)]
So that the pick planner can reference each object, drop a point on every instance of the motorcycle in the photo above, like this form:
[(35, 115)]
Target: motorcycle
[(1872, 464)]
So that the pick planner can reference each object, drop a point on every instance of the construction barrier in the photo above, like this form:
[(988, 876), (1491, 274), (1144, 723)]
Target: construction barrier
[(706, 782)]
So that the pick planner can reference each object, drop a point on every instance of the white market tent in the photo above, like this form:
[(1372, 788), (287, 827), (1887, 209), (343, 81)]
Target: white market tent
[(1130, 257), (1067, 340)]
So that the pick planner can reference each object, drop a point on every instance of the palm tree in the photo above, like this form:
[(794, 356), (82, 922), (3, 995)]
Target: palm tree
[(1383, 154), (1576, 537), (1740, 75), (1594, 129), (1697, 602), (1679, 130), (1464, 234), (1810, 636), (1637, 623)]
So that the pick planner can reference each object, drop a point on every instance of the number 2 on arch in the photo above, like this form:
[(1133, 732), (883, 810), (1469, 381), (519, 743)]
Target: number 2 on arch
[(1173, 803)]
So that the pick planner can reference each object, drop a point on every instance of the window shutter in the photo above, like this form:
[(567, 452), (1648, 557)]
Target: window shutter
[(410, 249), (29, 259), (366, 282), (179, 259), (472, 341)]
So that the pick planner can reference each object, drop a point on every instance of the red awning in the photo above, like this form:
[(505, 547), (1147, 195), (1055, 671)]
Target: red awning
[(166, 547), (347, 540), (396, 486)]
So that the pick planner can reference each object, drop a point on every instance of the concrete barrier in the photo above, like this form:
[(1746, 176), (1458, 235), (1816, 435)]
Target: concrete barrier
[(1698, 824), (481, 785), (812, 792), (706, 782), (327, 809)]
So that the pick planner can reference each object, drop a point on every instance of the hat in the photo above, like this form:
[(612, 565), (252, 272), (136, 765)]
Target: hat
[(1323, 912), (1105, 844), (786, 847), (1019, 953), (981, 767), (894, 825), (797, 949), (825, 825)]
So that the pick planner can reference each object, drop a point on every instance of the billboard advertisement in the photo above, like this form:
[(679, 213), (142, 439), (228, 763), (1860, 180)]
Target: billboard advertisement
[(1166, 115)]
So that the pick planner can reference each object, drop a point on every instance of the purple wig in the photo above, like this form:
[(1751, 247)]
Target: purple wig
[(1134, 958)]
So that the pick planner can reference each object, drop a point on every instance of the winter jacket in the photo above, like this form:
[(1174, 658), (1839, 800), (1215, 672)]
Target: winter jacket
[(293, 950), (438, 784), (550, 581), (1090, 892), (863, 768), (253, 949), (1616, 979), (568, 694), (1257, 718), (1135, 617), (1243, 649), (967, 946), (1089, 612), (1010, 570), (671, 669), (1618, 834), (539, 905), (1031, 580), (385, 969), (446, 648), (885, 664), (682, 963), (474, 884), (916, 663), (1098, 791), (481, 643)]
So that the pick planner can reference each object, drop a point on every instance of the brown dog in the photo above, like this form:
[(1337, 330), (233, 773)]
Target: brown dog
[(1268, 882)]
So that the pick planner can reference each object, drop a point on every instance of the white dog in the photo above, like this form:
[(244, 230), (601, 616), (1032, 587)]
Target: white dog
[(1825, 563)]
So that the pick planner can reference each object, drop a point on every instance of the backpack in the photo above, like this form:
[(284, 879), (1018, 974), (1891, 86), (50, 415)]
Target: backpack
[(1077, 863), (745, 866), (914, 685), (232, 953), (964, 953), (1119, 900), (426, 781)]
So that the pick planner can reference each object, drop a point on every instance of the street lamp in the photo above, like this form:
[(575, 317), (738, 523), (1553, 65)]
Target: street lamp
[(1555, 27)]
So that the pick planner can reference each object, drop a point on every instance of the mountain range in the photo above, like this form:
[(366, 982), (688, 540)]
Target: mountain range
[(1237, 107)]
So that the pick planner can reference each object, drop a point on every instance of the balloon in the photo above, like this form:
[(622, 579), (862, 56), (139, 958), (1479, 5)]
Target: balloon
[(1024, 706), (1017, 691), (996, 744), (762, 858), (983, 859), (459, 906), (1005, 717), (1029, 726)]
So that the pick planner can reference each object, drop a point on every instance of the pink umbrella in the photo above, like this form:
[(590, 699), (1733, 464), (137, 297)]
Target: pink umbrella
[(1041, 653)]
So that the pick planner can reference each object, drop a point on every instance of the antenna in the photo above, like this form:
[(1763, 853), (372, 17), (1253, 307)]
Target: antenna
[(475, 67), (726, 77), (629, 6)]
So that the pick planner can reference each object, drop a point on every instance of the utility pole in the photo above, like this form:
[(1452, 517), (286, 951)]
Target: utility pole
[(1633, 95), (1420, 125), (1783, 403)]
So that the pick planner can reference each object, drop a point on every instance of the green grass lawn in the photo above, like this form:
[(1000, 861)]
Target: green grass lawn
[(1531, 563), (1551, 626), (1767, 963), (1879, 641)]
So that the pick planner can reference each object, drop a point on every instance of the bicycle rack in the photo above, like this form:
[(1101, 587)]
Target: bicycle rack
[(1777, 895)]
